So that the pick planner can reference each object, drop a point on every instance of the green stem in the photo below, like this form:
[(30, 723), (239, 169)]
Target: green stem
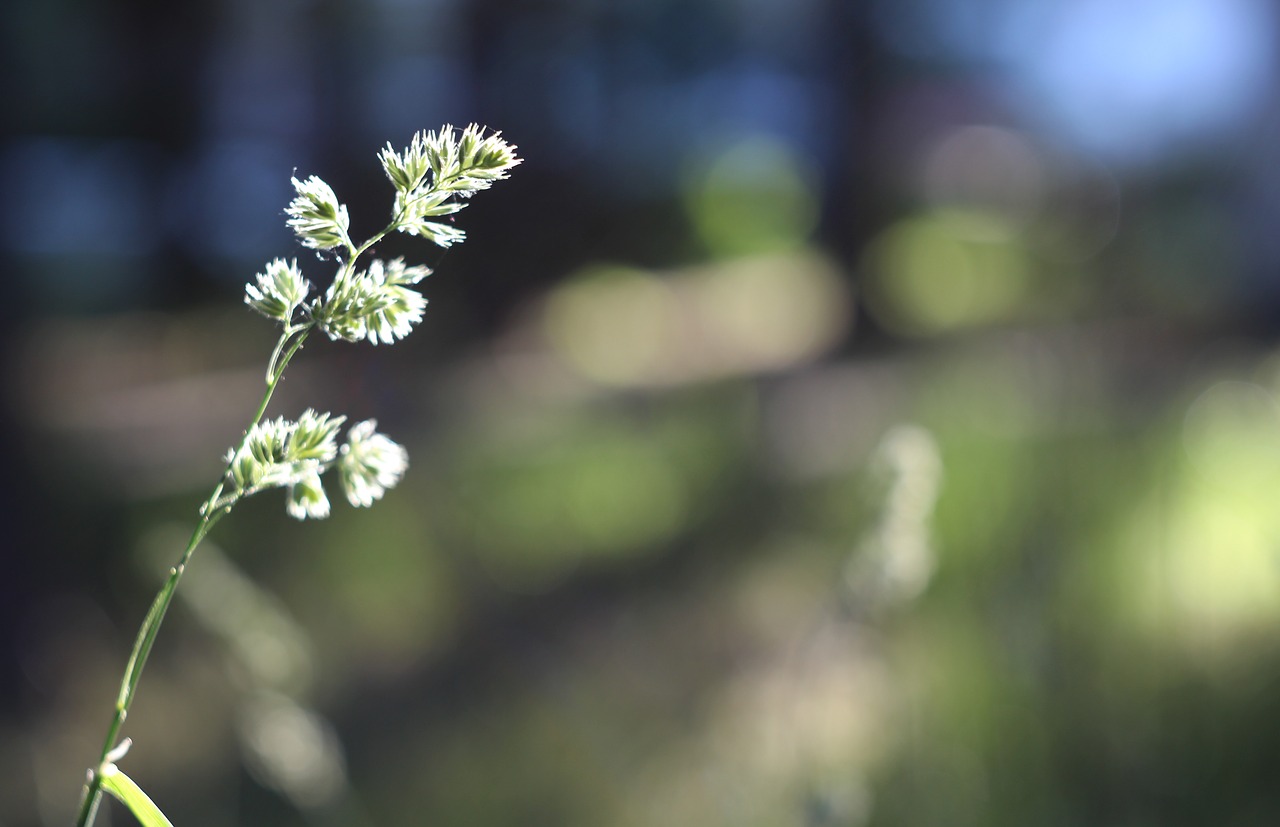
[(398, 219), (214, 509), (273, 372)]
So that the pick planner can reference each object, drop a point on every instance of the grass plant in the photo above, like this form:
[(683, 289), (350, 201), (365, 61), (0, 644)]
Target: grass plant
[(434, 177)]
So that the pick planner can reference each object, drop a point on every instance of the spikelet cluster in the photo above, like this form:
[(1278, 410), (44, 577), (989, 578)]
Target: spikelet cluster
[(434, 177)]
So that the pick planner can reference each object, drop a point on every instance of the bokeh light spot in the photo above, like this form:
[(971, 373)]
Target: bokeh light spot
[(946, 270), (1221, 570), (771, 312), (1232, 437), (613, 324), (987, 167), (621, 327), (755, 197)]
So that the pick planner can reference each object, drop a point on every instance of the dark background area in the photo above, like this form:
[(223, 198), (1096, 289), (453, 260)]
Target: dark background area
[(851, 413)]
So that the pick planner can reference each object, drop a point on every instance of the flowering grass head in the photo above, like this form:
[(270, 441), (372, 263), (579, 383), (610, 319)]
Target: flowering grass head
[(316, 216), (370, 464), (435, 176)]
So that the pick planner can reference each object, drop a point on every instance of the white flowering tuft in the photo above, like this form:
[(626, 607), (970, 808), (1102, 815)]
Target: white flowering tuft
[(316, 216), (375, 304), (406, 169), (279, 453), (414, 210), (401, 307), (482, 160), (459, 167), (370, 464), (314, 437), (262, 461), (279, 290), (306, 499)]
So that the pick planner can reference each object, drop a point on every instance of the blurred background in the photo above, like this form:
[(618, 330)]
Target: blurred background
[(854, 412)]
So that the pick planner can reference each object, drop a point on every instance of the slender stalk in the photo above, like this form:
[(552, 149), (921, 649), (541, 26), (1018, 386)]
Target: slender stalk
[(350, 309), (213, 510)]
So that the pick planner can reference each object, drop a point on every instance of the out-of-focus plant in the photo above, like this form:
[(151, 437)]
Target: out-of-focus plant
[(434, 176)]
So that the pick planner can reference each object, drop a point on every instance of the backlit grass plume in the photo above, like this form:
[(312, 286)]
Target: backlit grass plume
[(435, 176)]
